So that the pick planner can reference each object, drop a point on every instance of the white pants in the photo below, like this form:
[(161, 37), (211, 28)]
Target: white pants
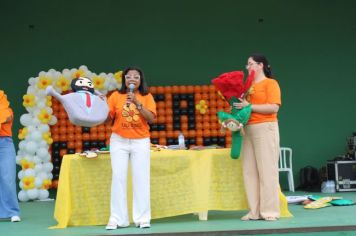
[(138, 152)]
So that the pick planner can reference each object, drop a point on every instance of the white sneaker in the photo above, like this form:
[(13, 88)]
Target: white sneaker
[(145, 225), (15, 219)]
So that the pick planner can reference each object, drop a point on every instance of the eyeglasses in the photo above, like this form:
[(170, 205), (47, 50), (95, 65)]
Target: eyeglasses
[(135, 77), (251, 64)]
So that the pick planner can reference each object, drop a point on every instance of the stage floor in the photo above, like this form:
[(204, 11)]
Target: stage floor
[(333, 220)]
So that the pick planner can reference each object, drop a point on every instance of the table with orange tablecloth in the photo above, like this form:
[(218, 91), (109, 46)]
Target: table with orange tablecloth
[(182, 181)]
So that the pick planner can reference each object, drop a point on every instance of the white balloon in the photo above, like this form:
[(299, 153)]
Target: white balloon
[(43, 128), (31, 147), (38, 182), (23, 196), (42, 175), (43, 144), (48, 167), (26, 119), (43, 194), (35, 136), (46, 158), (42, 153), (31, 81), (42, 73), (32, 193), (21, 185), (49, 175), (22, 145), (53, 120), (31, 128), (39, 168), (29, 172), (36, 159), (41, 104), (83, 67), (20, 174)]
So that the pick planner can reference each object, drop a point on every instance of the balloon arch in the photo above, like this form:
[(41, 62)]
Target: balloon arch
[(33, 152)]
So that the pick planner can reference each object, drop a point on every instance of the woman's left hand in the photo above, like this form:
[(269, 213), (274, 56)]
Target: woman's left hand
[(242, 104)]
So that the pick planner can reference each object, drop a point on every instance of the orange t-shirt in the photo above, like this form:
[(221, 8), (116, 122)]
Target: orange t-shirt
[(6, 128), (128, 121), (266, 91)]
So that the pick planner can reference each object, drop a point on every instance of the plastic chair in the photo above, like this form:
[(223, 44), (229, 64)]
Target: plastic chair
[(285, 164)]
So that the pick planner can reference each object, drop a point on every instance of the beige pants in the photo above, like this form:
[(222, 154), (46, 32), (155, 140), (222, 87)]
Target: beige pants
[(260, 154)]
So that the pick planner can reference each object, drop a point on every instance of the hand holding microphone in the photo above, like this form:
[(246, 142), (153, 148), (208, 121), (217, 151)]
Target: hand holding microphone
[(130, 94)]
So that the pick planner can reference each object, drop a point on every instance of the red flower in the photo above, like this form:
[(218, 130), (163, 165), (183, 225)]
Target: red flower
[(232, 84)]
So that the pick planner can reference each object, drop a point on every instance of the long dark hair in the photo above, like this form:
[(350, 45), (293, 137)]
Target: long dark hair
[(259, 58), (143, 88)]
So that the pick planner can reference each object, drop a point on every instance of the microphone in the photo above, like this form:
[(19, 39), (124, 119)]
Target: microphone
[(131, 89)]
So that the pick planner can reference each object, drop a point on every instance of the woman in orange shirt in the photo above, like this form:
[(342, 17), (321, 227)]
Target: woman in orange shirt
[(9, 206), (260, 149), (132, 109)]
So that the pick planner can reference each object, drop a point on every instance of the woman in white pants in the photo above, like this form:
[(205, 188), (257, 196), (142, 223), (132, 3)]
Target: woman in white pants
[(132, 108)]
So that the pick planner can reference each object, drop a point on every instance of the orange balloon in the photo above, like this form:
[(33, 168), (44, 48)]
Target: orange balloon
[(62, 115), (153, 89), (197, 89), (184, 126), (62, 122), (183, 104), (62, 152), (70, 144), (78, 129), (199, 133), (162, 141), (175, 89), (101, 128), (78, 137), (206, 125), (161, 112), (85, 136), (78, 150), (199, 125), (101, 136), (169, 134), (205, 88), (62, 130), (169, 112), (154, 134), (167, 89), (169, 126), (191, 133), (63, 137), (93, 136), (161, 119), (93, 130), (169, 120), (185, 133), (78, 144), (70, 137), (54, 130), (206, 133), (168, 97), (212, 88), (70, 129), (199, 141), (54, 183), (55, 137), (160, 90), (162, 134), (190, 89), (205, 96), (198, 118), (182, 89), (197, 97), (214, 133), (176, 133), (184, 119), (161, 105)]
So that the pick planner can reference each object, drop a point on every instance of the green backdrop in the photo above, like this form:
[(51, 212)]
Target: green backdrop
[(310, 44)]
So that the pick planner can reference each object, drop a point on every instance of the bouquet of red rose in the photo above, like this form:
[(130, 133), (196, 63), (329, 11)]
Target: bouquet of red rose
[(233, 87)]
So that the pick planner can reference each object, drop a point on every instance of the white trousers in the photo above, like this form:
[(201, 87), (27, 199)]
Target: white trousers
[(138, 152)]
